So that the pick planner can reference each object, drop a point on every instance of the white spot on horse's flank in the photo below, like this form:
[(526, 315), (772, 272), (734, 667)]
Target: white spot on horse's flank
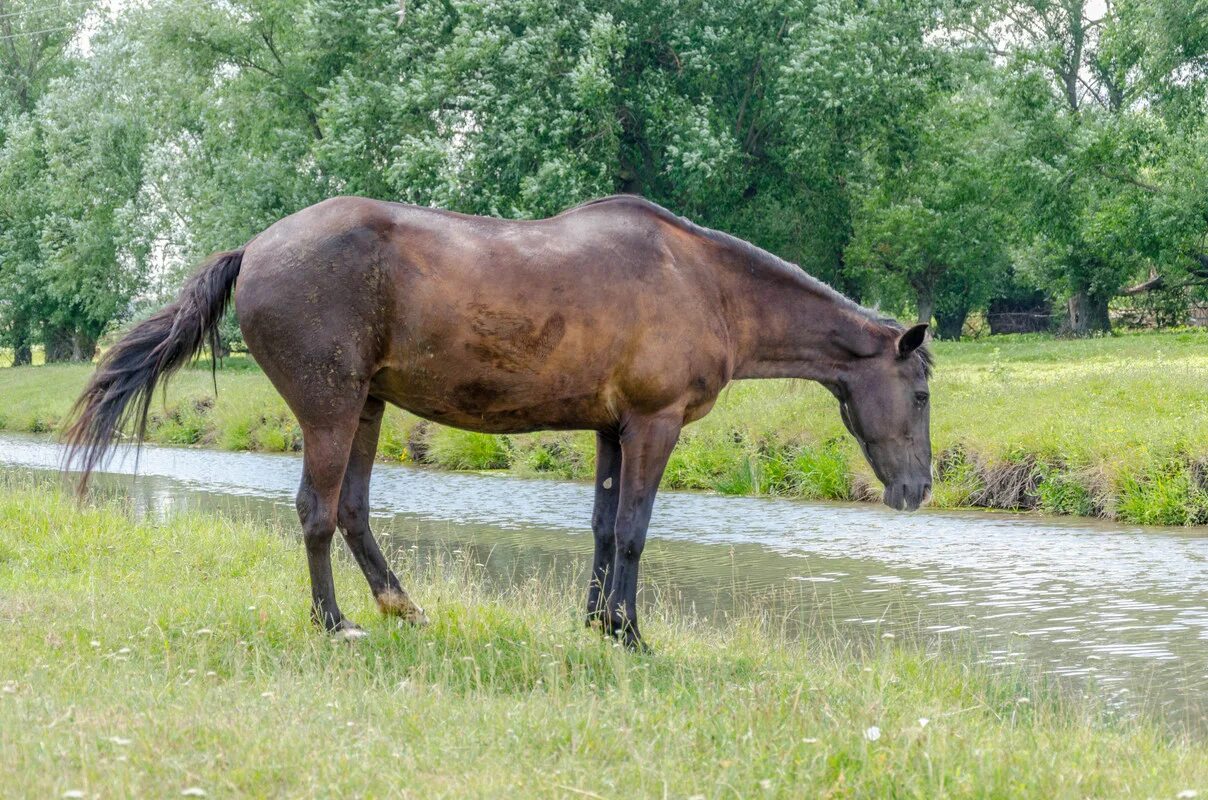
[(608, 483)]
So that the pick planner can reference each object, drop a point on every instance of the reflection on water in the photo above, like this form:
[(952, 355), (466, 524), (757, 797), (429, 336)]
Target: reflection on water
[(1126, 608)]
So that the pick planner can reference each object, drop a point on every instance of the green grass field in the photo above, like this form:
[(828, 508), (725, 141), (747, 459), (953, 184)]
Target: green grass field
[(155, 659), (1114, 427)]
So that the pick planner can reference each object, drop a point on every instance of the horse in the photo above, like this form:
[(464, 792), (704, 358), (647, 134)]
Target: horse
[(616, 316)]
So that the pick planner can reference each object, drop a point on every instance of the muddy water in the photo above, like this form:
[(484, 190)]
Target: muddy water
[(1122, 612)]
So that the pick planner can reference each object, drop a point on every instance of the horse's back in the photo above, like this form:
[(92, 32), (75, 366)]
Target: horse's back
[(483, 323)]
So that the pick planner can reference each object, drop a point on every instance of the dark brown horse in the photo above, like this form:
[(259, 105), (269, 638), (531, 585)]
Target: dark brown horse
[(616, 316)]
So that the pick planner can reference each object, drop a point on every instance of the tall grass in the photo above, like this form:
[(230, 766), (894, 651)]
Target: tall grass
[(144, 659), (1114, 427)]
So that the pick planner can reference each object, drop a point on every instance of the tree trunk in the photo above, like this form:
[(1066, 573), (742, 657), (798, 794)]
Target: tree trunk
[(58, 346), (1087, 314), (83, 347), (925, 301), (951, 324), (23, 353)]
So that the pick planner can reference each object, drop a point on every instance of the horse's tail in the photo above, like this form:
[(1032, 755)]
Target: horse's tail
[(151, 350)]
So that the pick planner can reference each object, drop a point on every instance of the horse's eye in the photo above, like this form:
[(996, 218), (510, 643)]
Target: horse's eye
[(921, 398)]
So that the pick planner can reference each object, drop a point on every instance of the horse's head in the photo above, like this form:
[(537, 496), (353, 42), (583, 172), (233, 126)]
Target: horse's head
[(885, 404)]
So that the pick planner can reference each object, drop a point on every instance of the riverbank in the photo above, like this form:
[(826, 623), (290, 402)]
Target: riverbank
[(148, 659), (1114, 427)]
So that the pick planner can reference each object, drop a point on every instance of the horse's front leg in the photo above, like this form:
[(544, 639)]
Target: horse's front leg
[(603, 524), (646, 443)]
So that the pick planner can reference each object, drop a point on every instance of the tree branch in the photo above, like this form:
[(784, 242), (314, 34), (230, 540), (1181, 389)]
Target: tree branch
[(1120, 176), (1155, 281)]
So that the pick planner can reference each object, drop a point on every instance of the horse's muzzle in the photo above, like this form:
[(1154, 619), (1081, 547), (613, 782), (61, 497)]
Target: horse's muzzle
[(907, 496)]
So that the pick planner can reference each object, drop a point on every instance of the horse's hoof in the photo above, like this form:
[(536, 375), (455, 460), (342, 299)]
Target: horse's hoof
[(396, 603), (639, 647), (351, 634), (346, 630), (628, 636)]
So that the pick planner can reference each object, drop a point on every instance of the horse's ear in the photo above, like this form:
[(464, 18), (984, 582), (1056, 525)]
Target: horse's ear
[(912, 339)]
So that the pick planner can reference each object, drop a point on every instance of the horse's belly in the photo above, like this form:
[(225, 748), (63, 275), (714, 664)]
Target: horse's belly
[(495, 403)]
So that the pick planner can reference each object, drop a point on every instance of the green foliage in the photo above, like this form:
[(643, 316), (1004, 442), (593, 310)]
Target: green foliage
[(701, 462), (808, 472), (958, 480), (1062, 492), (1172, 492), (556, 455), (457, 449), (933, 223), (184, 424), (1097, 134)]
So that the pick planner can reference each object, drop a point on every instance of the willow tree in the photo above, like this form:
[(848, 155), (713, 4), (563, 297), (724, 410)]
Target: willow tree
[(1088, 87)]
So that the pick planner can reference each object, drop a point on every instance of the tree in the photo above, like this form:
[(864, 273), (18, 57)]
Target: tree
[(726, 111), (933, 218), (94, 140), (1082, 89), (34, 39)]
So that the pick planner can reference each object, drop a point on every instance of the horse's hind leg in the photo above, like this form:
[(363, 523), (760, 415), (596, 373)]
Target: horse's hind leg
[(325, 449), (353, 519)]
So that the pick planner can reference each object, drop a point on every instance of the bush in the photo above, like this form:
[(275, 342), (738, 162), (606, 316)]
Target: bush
[(452, 448)]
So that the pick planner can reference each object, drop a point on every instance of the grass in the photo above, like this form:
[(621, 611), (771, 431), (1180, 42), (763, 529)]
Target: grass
[(147, 659), (1115, 427)]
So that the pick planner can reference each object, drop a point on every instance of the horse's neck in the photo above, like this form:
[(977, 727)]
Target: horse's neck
[(793, 327)]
